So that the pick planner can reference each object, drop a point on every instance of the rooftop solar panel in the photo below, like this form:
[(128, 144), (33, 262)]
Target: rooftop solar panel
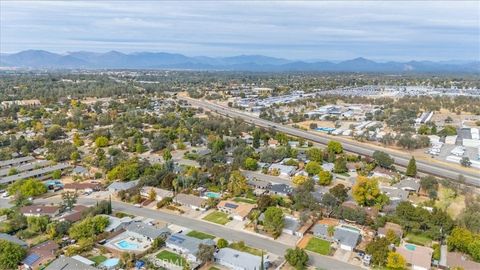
[(231, 205), (31, 259)]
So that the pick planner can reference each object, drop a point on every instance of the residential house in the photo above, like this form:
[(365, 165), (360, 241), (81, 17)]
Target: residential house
[(293, 226), (160, 194), (328, 166), (395, 195), (272, 143), (80, 171), (389, 226), (116, 224), (383, 173), (67, 263), (40, 210), (284, 170), (148, 231), (280, 189), (186, 245), (418, 257), (192, 201), (321, 231), (259, 184), (118, 186), (75, 214), (460, 261), (408, 184), (39, 255), (238, 260), (347, 238), (83, 186), (238, 211), (13, 239)]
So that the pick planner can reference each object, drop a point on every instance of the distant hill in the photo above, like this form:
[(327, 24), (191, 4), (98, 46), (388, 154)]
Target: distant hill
[(160, 60)]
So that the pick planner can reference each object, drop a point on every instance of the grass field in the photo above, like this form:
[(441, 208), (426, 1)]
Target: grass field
[(217, 217), (98, 259), (240, 246), (318, 246), (450, 202), (200, 235), (171, 257), (244, 200), (418, 239)]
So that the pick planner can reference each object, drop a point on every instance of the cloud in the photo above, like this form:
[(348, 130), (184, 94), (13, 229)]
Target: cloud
[(295, 29)]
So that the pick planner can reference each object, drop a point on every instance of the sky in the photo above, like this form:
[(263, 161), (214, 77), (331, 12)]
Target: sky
[(312, 30)]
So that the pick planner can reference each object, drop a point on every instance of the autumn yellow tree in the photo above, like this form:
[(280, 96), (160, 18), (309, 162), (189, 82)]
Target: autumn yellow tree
[(299, 179), (396, 261), (367, 193)]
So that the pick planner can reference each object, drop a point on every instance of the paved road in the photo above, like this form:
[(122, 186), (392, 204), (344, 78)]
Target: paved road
[(359, 148), (251, 239)]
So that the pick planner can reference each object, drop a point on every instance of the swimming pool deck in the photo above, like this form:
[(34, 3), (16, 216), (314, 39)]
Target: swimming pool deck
[(141, 242)]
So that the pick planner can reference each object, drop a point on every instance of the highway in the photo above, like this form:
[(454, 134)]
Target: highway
[(230, 234), (366, 150)]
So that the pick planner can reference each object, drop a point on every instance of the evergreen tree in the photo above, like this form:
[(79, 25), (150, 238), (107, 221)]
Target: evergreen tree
[(412, 167), (109, 210)]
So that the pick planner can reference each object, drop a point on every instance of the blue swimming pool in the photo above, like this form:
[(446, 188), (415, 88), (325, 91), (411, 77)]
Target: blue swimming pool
[(213, 195), (410, 247), (110, 263), (127, 245)]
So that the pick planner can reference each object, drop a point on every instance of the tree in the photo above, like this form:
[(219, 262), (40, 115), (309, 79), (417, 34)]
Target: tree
[(392, 237), (273, 222), (315, 154), (27, 188), (465, 162), (88, 227), (37, 224), (250, 164), (299, 179), (335, 147), (57, 174), (69, 199), (340, 165), (411, 167), (396, 261), (378, 248), (205, 253), (152, 195), (237, 183), (222, 243), (366, 192), (101, 141), (54, 132), (297, 258), (340, 192), (325, 178), (264, 201), (382, 159), (167, 155), (313, 168), (77, 141), (11, 254), (75, 156)]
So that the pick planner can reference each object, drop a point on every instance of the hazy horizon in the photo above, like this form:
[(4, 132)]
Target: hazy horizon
[(308, 31)]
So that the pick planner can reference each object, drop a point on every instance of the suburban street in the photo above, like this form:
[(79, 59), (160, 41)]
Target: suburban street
[(251, 239), (471, 177)]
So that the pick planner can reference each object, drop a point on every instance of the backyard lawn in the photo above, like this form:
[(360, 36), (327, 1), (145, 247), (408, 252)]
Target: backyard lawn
[(319, 246), (200, 235), (418, 239), (98, 259), (244, 200), (171, 257), (240, 246), (217, 217)]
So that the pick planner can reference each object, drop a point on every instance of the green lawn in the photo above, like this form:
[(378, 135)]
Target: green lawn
[(244, 200), (98, 259), (240, 246), (171, 257), (213, 268), (418, 239), (217, 217), (319, 246), (200, 235)]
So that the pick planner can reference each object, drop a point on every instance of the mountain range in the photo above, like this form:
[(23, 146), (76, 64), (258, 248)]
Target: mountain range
[(39, 59)]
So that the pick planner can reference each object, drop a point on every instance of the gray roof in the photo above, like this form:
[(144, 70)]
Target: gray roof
[(189, 243), (346, 236), (239, 259), (79, 170), (13, 239), (188, 199), (259, 183), (67, 263), (147, 230), (291, 224), (408, 184), (395, 194), (26, 167), (122, 185), (281, 188), (15, 161), (34, 173), (284, 169), (320, 230)]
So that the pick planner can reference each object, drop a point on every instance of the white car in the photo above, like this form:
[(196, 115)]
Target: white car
[(138, 205)]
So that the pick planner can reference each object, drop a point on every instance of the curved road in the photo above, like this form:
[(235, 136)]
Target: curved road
[(251, 239), (366, 150)]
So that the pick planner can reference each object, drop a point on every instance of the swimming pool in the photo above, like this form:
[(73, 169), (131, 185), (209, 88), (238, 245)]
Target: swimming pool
[(110, 263), (213, 195), (410, 247), (127, 245)]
